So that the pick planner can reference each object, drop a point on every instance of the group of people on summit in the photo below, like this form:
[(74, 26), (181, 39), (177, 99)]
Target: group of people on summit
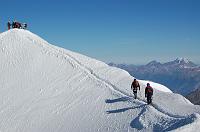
[(16, 24), (135, 86)]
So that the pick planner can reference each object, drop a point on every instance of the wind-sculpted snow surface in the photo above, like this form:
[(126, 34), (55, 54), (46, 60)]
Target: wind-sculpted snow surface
[(45, 88)]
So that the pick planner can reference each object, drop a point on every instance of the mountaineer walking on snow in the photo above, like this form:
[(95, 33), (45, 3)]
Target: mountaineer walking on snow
[(149, 93), (135, 86)]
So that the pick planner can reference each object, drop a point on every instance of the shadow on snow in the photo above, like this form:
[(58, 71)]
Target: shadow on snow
[(122, 99), (123, 109), (135, 123)]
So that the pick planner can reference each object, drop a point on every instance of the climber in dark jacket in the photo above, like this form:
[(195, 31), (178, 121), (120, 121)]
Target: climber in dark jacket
[(135, 86), (8, 24), (149, 93)]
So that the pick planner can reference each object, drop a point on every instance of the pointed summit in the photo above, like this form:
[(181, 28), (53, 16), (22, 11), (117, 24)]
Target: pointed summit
[(153, 63), (185, 62), (181, 62), (16, 35)]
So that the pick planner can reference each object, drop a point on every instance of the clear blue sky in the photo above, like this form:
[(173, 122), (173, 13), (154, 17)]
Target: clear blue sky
[(120, 31)]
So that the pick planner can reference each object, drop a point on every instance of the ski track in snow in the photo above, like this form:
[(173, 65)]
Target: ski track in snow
[(172, 121)]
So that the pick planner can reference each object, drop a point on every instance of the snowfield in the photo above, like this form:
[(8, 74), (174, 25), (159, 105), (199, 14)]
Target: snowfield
[(45, 88)]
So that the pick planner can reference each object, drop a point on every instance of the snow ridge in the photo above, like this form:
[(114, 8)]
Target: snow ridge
[(47, 88)]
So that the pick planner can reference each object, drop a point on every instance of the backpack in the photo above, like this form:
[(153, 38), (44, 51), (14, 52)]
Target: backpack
[(135, 84), (149, 90)]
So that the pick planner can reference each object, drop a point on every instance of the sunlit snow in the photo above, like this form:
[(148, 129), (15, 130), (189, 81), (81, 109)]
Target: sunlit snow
[(45, 88)]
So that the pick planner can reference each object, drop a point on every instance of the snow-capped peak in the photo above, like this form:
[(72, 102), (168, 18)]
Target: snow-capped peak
[(153, 63), (182, 60), (181, 63)]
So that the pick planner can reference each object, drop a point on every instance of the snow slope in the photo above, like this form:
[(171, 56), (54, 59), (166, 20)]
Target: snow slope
[(45, 88)]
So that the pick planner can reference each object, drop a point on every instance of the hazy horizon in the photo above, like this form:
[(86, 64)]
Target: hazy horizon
[(151, 61)]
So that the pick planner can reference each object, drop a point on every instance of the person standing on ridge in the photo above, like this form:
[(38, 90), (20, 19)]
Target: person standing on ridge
[(149, 93), (14, 24), (135, 86), (8, 24), (25, 25)]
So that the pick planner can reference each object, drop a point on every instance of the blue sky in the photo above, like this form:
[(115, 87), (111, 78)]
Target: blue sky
[(120, 31)]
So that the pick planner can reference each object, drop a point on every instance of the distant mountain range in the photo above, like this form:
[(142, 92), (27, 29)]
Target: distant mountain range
[(181, 75)]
